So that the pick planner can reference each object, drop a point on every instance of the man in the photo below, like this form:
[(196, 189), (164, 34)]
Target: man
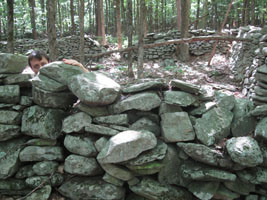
[(38, 59)]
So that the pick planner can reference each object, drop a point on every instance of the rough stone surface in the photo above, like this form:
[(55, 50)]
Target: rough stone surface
[(145, 86), (76, 123), (23, 80), (126, 145), (101, 130), (177, 127), (9, 94), (121, 119), (94, 88), (10, 117), (185, 86), (91, 188), (41, 194), (42, 122), (11, 63), (261, 129), (118, 171), (94, 111), (204, 190), (179, 98), (45, 168), (8, 132), (48, 84), (244, 151), (146, 124)]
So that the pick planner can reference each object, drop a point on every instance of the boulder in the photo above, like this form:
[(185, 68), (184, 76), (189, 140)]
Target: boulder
[(148, 85), (120, 119), (12, 63), (41, 194), (146, 124), (8, 132), (261, 129), (45, 168), (185, 86), (179, 98), (203, 190), (10, 117), (9, 94), (48, 84), (23, 80)]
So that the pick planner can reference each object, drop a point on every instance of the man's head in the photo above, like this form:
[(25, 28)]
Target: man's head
[(36, 60)]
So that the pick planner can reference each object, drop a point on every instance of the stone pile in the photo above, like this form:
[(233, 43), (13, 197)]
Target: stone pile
[(247, 57), (85, 136), (260, 96), (67, 47)]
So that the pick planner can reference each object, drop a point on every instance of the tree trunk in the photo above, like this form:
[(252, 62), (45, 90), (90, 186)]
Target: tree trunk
[(247, 12), (215, 15), (130, 37), (73, 26), (103, 34), (157, 16), (81, 15), (118, 23), (162, 16), (43, 15), (252, 12), (51, 28), (178, 5), (205, 14), (123, 10), (10, 27), (32, 14), (59, 19), (184, 48), (140, 67), (197, 16), (1, 22)]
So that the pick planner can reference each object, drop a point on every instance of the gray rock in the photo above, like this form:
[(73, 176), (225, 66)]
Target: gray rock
[(261, 77), (207, 93), (263, 68), (12, 184), (25, 172), (185, 86), (264, 154), (259, 100), (36, 153), (261, 129), (76, 123), (262, 84), (54, 180), (126, 145), (94, 111), (203, 108), (9, 157), (60, 72), (224, 100), (12, 63), (10, 117), (121, 119), (243, 123), (112, 180), (135, 115), (169, 174), (42, 122), (94, 88), (118, 171), (101, 143), (239, 187), (8, 132), (61, 100), (200, 172), (101, 130), (142, 101), (260, 91), (179, 98), (91, 188), (255, 175), (80, 165), (146, 124), (48, 84), (26, 101), (80, 144), (244, 151), (175, 132), (41, 194), (153, 190), (252, 197), (45, 168), (23, 80), (204, 190), (224, 193), (213, 126), (133, 181), (156, 85), (9, 94), (41, 142), (119, 128), (146, 168), (157, 153), (167, 108), (205, 154)]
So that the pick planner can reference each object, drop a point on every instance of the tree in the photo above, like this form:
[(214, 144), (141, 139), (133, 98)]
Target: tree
[(184, 49), (32, 14), (101, 22), (118, 23), (59, 19), (252, 12), (51, 28), (73, 26), (197, 15), (178, 5), (82, 32), (130, 36), (10, 28)]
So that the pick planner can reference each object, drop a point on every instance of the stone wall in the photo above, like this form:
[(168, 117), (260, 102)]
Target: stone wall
[(86, 137), (247, 57)]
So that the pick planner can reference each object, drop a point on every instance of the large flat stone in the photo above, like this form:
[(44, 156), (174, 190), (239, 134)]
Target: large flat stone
[(23, 80), (261, 129), (48, 84), (10, 117), (9, 94), (149, 85), (179, 98), (120, 119), (12, 63), (8, 132), (100, 130), (185, 86)]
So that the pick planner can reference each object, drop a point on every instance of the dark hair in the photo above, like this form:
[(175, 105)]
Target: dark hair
[(38, 55)]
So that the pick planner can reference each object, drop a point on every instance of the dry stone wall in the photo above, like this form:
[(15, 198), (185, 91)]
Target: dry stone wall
[(85, 136)]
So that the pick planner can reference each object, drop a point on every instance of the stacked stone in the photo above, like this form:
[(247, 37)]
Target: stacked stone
[(260, 97), (150, 140), (247, 57)]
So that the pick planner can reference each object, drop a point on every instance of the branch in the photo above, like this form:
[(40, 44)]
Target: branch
[(179, 41)]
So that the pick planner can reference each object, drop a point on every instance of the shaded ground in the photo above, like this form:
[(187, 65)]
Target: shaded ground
[(196, 71)]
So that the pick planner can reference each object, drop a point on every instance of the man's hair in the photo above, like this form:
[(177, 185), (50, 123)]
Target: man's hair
[(37, 55)]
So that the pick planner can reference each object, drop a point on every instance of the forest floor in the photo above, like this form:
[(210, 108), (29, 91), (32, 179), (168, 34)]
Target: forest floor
[(218, 75)]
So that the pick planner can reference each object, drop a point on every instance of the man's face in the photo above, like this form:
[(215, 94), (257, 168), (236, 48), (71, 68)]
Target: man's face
[(36, 64)]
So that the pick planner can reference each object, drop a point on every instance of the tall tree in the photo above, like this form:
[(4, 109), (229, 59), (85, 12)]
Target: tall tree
[(130, 36), (252, 12), (81, 13), (59, 18), (178, 5), (118, 23), (101, 22), (197, 15), (32, 14), (215, 15), (51, 28), (73, 26), (204, 20), (42, 2), (184, 48), (140, 64), (10, 28)]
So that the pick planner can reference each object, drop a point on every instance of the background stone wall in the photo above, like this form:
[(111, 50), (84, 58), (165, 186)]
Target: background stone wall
[(86, 137)]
